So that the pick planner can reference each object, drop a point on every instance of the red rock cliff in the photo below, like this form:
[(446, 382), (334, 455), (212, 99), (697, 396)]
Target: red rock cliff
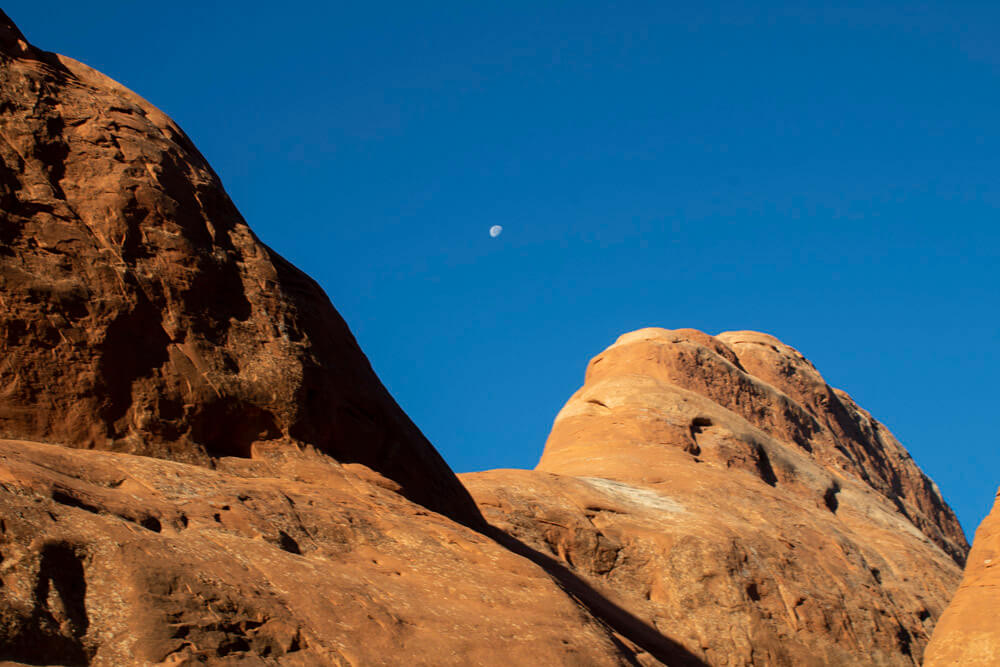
[(140, 313), (261, 499)]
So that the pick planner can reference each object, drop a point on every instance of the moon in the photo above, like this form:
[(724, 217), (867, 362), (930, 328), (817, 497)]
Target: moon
[(495, 231)]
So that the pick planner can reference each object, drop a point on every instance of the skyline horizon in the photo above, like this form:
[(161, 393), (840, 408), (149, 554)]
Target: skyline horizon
[(718, 171)]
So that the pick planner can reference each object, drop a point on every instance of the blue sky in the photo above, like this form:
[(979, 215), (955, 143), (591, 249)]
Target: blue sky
[(825, 173)]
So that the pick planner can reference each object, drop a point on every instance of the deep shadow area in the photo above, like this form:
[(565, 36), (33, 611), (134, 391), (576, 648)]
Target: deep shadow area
[(830, 497), (764, 468), (637, 631), (54, 631)]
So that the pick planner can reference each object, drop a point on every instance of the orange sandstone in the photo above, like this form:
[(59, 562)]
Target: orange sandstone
[(284, 510), (198, 464), (968, 632), (721, 492)]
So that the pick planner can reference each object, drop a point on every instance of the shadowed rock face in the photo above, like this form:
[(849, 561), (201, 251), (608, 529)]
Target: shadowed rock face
[(718, 489), (967, 633), (140, 314)]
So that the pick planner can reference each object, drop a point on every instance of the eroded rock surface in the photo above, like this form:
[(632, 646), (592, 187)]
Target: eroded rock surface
[(968, 632), (719, 490), (290, 558), (197, 463), (140, 314)]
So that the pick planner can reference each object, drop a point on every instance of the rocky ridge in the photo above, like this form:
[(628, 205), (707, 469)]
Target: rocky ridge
[(142, 315), (197, 463), (719, 490)]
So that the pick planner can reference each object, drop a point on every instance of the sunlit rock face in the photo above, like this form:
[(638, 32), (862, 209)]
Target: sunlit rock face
[(140, 313), (290, 558), (968, 633), (722, 493), (197, 464)]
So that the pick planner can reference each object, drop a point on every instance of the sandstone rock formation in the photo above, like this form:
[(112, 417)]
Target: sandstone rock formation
[(114, 559), (197, 463), (284, 509), (719, 490), (141, 314), (968, 632)]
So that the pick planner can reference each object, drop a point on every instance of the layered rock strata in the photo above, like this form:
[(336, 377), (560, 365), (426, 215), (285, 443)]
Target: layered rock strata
[(720, 491)]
